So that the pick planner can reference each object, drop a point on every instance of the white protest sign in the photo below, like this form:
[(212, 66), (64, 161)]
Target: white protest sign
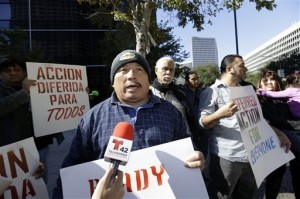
[(19, 161), (155, 172), (59, 99), (261, 142)]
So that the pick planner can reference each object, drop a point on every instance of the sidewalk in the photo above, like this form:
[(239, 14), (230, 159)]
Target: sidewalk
[(56, 156)]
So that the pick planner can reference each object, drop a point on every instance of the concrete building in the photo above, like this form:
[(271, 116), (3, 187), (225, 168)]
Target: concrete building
[(187, 64), (204, 51), (284, 43)]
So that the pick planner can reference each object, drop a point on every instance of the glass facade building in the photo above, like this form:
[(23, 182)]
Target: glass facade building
[(59, 29), (204, 51)]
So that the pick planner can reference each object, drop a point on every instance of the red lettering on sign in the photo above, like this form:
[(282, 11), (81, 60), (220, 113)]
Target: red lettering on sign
[(158, 175), (13, 161), (67, 112), (93, 184), (28, 189)]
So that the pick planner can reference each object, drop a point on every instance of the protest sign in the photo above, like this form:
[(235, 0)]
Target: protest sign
[(261, 142), (18, 163), (59, 99), (154, 172)]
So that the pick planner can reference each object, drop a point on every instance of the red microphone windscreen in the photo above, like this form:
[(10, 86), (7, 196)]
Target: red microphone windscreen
[(123, 130)]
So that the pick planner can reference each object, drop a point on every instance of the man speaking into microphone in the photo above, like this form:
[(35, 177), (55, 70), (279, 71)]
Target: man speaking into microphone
[(155, 121)]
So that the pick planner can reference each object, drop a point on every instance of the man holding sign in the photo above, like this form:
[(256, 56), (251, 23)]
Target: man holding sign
[(155, 120), (230, 171), (15, 115)]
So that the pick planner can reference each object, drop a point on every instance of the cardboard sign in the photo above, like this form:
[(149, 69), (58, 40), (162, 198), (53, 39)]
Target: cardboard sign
[(155, 172), (59, 99), (18, 162), (261, 142)]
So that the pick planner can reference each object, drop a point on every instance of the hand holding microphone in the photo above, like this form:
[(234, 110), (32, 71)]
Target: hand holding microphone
[(105, 190), (119, 146)]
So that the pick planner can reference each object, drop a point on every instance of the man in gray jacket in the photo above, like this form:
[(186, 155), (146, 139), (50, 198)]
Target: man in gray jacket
[(164, 87)]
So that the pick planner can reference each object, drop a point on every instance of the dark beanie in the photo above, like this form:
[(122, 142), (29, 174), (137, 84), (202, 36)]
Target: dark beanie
[(125, 57), (8, 61)]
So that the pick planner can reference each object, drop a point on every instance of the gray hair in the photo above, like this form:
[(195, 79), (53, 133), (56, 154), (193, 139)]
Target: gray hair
[(168, 59)]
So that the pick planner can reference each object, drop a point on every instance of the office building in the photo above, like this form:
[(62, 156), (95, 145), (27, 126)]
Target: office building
[(204, 51), (61, 31), (284, 43)]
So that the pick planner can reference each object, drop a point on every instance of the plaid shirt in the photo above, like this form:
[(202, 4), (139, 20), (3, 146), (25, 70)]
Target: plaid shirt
[(157, 122)]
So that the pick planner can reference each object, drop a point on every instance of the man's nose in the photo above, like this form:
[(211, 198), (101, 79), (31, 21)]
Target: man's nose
[(12, 72), (131, 73), (168, 71)]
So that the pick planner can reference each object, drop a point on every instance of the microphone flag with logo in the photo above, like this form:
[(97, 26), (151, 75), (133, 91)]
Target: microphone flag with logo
[(119, 145)]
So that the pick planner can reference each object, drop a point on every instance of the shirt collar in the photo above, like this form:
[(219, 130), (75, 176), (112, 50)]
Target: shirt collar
[(152, 100), (219, 84)]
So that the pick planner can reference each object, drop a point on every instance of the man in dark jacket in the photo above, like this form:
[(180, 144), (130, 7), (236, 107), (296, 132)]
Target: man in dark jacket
[(15, 113)]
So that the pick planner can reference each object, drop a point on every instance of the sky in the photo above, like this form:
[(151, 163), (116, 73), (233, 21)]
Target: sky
[(254, 27)]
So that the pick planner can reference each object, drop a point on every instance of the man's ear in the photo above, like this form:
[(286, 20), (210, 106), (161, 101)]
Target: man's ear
[(229, 68), (155, 69)]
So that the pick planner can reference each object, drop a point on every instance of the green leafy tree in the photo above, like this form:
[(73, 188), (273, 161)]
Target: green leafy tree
[(253, 78), (207, 74), (181, 71), (12, 42), (167, 45), (139, 13), (289, 63)]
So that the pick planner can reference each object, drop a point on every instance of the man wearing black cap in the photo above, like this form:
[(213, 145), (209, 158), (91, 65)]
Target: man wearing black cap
[(155, 121)]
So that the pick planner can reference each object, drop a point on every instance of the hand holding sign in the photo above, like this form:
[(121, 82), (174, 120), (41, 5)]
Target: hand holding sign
[(26, 84), (284, 141), (229, 109), (261, 143), (195, 160), (58, 99), (20, 163), (155, 172), (39, 172)]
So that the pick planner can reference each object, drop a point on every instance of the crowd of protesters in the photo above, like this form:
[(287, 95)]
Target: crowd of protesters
[(207, 115)]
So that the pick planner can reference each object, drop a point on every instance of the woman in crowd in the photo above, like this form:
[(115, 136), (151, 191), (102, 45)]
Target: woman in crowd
[(291, 93), (277, 113)]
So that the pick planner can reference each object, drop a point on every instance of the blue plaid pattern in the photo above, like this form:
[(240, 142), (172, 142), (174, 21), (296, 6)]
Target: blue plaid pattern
[(156, 123)]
